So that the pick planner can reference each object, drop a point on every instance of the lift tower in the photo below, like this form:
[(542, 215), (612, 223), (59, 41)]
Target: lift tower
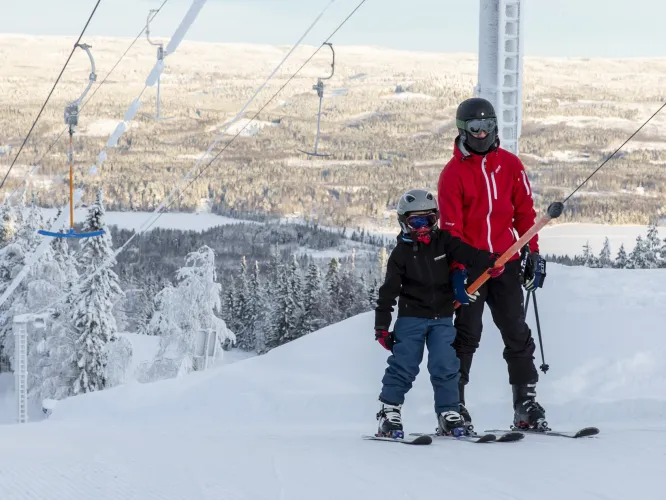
[(500, 78)]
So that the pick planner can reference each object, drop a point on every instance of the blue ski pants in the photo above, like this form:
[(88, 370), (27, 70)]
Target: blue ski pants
[(411, 337)]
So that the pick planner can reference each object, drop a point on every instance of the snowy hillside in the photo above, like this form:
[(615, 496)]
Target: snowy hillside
[(287, 425)]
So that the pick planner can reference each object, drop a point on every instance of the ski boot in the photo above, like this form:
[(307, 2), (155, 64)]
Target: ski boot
[(528, 414), (390, 421), (451, 423)]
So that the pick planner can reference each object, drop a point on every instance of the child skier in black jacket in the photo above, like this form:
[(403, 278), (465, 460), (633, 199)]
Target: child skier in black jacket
[(418, 272)]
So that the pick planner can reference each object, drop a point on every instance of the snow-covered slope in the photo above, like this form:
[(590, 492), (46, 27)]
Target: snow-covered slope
[(287, 425)]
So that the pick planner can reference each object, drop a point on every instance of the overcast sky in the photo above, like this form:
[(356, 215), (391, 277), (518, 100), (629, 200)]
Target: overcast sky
[(581, 28)]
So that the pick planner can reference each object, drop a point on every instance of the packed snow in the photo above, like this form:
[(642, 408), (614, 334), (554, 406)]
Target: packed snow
[(287, 424)]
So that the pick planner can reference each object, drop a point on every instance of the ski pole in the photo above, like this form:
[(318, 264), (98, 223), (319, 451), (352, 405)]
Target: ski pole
[(544, 366)]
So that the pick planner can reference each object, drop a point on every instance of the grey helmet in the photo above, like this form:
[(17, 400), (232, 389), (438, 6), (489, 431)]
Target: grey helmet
[(416, 200)]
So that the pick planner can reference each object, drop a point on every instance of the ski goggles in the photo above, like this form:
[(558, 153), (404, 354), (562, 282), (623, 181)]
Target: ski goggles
[(421, 221), (476, 126)]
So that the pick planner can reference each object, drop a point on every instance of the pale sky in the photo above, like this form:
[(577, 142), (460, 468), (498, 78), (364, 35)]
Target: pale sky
[(578, 28)]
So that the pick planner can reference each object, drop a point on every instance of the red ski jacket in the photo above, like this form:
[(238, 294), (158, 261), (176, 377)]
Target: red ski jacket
[(482, 199)]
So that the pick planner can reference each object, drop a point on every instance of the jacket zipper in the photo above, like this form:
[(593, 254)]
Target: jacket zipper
[(490, 202)]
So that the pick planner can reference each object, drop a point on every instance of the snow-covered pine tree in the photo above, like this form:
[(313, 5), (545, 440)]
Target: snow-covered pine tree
[(243, 309), (230, 301), (296, 293), (146, 305), (604, 259), (332, 285), (313, 303), (653, 255), (283, 317), (40, 282), (66, 260), (8, 224), (259, 308), (373, 292), (589, 260), (92, 317), (621, 259), (638, 256), (351, 295), (185, 310), (55, 366)]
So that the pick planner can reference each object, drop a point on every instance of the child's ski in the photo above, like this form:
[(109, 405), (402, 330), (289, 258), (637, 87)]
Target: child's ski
[(484, 438), (489, 437), (584, 432), (416, 439)]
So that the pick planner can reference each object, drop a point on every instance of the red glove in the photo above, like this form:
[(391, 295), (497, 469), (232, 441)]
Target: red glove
[(385, 338), (495, 271)]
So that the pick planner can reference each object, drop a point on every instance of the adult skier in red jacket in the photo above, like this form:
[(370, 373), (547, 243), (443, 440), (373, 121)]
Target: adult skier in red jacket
[(484, 198)]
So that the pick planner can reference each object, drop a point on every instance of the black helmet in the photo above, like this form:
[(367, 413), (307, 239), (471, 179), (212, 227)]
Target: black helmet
[(476, 115)]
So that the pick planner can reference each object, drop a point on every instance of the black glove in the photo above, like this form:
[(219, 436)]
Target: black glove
[(535, 271)]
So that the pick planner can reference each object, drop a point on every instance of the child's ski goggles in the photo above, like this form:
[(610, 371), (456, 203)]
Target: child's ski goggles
[(421, 221)]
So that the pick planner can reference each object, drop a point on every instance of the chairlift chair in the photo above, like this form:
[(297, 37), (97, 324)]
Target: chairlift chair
[(320, 92), (72, 120)]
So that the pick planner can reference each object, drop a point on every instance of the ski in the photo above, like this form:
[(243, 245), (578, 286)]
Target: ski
[(416, 439), (484, 438), (584, 432), (509, 437)]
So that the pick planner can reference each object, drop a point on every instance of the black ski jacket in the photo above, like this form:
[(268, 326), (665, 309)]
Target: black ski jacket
[(419, 274)]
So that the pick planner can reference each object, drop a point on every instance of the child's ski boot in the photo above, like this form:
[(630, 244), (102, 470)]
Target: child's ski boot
[(451, 423), (390, 421)]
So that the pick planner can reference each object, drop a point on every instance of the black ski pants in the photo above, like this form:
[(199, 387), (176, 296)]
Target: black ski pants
[(505, 299)]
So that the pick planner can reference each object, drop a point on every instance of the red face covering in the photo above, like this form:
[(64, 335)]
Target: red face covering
[(423, 235)]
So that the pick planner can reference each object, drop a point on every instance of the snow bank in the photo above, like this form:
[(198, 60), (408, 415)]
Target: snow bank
[(317, 379), (293, 417)]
